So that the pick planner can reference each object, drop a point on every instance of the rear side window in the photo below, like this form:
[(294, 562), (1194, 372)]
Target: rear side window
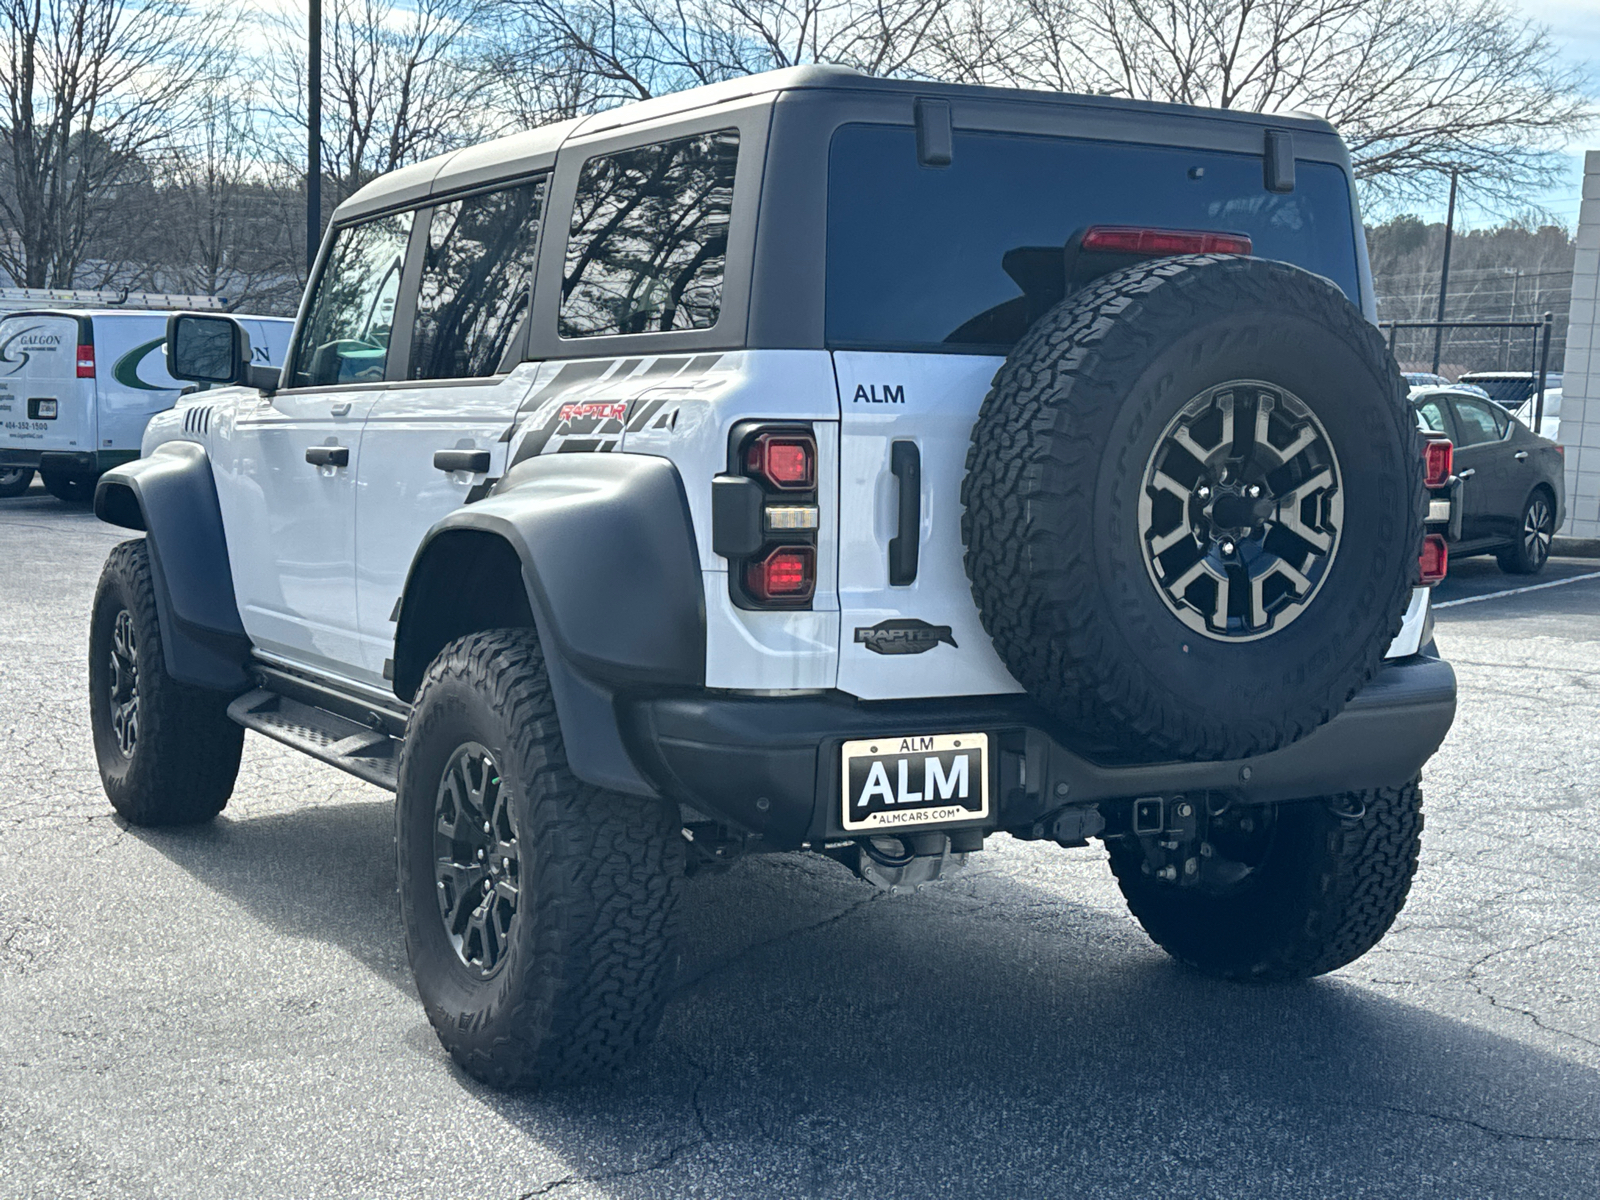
[(1431, 412), (1478, 422), (477, 281), (346, 336), (949, 258), (649, 236)]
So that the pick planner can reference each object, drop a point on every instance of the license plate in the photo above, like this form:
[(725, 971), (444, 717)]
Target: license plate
[(900, 782)]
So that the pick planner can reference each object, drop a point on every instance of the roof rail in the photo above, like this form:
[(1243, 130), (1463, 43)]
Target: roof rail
[(106, 297)]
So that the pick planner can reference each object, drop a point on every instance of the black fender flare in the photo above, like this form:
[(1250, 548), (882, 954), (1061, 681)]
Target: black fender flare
[(172, 497), (611, 570)]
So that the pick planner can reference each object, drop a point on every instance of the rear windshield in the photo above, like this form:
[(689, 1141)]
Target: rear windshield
[(915, 253)]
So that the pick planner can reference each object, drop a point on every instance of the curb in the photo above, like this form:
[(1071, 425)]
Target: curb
[(1567, 547)]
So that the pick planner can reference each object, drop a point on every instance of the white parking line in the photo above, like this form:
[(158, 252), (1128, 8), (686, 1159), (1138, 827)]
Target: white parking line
[(1533, 587)]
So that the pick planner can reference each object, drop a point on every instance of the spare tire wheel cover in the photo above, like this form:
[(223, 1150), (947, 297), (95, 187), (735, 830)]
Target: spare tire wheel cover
[(1194, 506)]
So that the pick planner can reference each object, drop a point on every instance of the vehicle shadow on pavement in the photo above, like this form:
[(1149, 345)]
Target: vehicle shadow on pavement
[(990, 1037)]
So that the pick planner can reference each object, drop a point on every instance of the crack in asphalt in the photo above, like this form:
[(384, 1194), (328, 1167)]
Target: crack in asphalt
[(1492, 1131), (662, 1161)]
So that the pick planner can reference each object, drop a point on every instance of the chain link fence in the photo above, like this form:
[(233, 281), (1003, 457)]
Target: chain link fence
[(1492, 316)]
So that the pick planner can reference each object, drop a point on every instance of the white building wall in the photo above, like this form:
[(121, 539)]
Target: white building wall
[(1580, 394)]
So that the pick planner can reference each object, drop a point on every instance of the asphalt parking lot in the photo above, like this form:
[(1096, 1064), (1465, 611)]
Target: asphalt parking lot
[(226, 1011)]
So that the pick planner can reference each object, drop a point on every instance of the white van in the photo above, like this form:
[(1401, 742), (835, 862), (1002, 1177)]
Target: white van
[(78, 386)]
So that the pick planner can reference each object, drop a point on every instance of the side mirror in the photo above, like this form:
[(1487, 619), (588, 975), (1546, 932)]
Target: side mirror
[(212, 349)]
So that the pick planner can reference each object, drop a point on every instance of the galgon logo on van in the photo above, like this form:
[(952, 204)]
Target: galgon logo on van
[(14, 350), (904, 635)]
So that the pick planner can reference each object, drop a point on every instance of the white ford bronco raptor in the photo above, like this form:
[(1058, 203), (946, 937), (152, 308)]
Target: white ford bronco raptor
[(812, 463)]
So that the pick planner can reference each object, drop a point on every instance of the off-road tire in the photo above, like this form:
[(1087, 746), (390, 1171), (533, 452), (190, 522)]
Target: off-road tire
[(590, 953), (14, 481), (1523, 557), (69, 488), (1329, 890), (1055, 472), (186, 755)]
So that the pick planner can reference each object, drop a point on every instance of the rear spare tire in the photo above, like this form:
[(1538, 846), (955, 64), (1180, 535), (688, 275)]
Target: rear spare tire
[(1194, 505)]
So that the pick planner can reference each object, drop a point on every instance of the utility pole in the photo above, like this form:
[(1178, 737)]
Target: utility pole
[(314, 135), (1444, 273), (1505, 334)]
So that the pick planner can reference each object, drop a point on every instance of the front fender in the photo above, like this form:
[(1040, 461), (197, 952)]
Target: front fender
[(172, 497)]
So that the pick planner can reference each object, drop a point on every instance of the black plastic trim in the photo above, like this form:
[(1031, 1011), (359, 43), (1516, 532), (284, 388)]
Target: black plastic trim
[(770, 764), (609, 561), (905, 463), (172, 497)]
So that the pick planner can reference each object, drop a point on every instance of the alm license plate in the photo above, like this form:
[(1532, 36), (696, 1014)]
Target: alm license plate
[(900, 782)]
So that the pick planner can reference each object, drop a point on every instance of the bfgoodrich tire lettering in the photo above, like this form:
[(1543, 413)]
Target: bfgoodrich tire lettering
[(1329, 889), (167, 751), (1058, 493), (580, 979)]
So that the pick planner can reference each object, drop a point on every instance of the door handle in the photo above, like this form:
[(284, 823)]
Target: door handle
[(328, 456), (1521, 456), (476, 461), (905, 462)]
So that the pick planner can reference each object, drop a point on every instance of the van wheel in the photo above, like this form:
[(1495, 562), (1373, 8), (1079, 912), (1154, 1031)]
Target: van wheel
[(73, 489), (14, 481), (538, 910), (168, 752), (1279, 891)]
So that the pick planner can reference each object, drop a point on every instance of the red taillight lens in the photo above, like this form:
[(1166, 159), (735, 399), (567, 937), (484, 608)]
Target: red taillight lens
[(1434, 560), (1438, 461), (787, 575), (788, 461), (1137, 239), (85, 362)]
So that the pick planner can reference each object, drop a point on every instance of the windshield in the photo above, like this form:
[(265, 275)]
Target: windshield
[(931, 258)]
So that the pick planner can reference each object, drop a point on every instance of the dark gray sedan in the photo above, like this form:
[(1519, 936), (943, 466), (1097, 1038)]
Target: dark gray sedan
[(1511, 496)]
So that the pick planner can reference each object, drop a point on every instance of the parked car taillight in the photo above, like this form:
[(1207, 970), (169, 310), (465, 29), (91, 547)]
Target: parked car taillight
[(1438, 461), (85, 362), (1434, 561), (764, 515)]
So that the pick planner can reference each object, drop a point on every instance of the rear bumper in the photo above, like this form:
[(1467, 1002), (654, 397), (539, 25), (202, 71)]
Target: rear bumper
[(771, 764)]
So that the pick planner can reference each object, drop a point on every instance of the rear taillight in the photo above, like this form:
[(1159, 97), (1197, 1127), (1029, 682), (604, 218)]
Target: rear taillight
[(1434, 561), (1438, 461), (787, 461), (764, 515), (85, 362), (1139, 239), (786, 575)]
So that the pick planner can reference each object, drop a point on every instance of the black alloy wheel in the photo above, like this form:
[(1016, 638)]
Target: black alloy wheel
[(1241, 510), (476, 863), (124, 682), (1529, 553)]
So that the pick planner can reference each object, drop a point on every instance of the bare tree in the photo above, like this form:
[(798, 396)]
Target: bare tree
[(401, 81), (1413, 89), (634, 49), (90, 87)]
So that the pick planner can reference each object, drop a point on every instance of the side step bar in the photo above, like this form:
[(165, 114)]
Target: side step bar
[(366, 753)]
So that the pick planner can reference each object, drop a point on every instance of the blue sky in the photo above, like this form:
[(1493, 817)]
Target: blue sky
[(1575, 25)]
